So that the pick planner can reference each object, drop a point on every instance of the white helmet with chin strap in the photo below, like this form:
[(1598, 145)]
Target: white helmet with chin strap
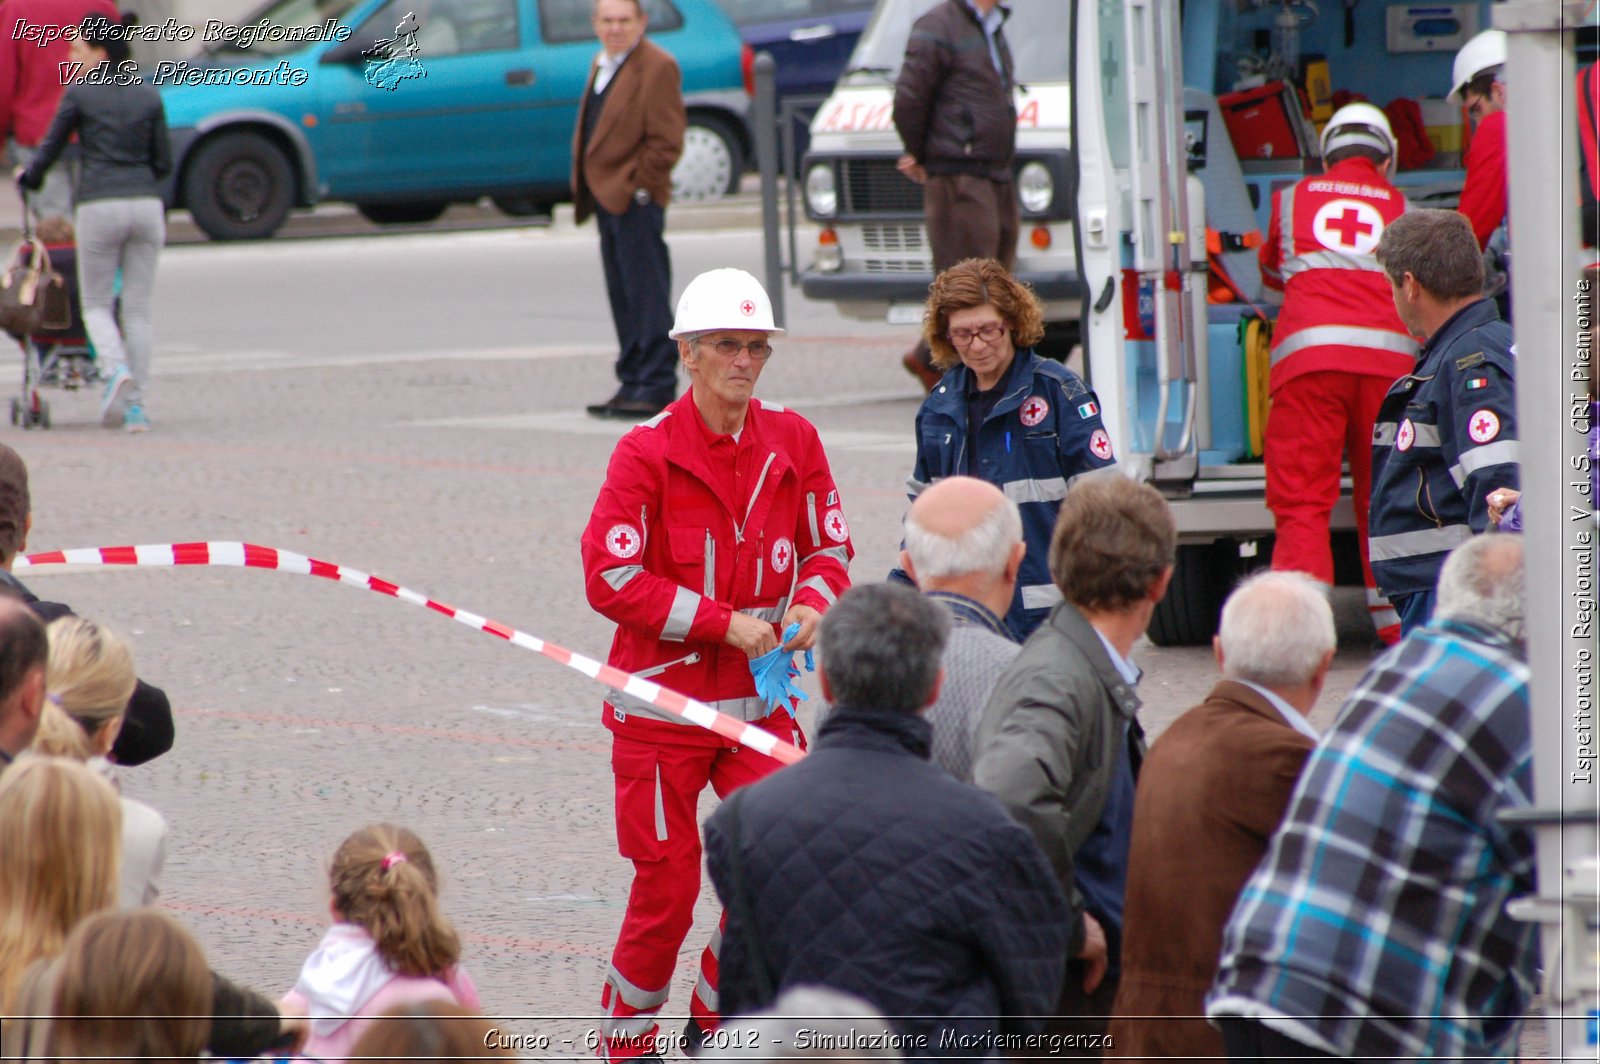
[(723, 299), (1477, 57), (1358, 124)]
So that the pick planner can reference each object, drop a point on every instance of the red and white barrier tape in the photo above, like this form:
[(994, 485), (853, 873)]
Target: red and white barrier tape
[(251, 556)]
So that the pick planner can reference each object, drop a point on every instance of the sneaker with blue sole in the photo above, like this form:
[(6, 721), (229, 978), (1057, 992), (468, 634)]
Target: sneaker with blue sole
[(134, 420), (114, 402)]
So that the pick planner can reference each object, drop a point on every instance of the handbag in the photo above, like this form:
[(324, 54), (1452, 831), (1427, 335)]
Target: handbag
[(33, 297)]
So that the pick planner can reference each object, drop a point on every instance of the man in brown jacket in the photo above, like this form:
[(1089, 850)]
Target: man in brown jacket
[(629, 136), (1213, 790)]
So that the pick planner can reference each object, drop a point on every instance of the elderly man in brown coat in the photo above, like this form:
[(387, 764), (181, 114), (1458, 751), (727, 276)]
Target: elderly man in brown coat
[(628, 138), (1213, 790)]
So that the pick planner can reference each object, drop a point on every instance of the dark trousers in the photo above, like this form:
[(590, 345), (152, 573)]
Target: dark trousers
[(639, 282), (1084, 1016), (1414, 609), (968, 217), (1253, 1040)]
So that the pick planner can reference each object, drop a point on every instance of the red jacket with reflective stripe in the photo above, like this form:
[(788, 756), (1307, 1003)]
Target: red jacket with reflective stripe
[(669, 554), (1338, 312)]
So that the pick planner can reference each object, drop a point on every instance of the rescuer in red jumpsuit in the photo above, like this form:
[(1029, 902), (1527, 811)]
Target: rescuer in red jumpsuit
[(718, 526), (1338, 344)]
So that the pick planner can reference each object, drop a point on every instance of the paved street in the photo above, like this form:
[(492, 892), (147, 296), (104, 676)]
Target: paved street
[(410, 405)]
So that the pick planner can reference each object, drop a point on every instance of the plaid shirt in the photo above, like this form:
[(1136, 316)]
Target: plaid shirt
[(1376, 924)]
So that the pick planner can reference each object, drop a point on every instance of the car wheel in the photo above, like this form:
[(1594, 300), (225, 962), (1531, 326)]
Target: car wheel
[(712, 161), (401, 213), (239, 187), (521, 206)]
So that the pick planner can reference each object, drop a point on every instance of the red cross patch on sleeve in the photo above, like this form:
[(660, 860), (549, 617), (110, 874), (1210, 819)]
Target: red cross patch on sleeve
[(1483, 426), (624, 541)]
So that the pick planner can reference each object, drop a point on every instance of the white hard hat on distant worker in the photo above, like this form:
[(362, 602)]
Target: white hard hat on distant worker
[(723, 299), (1358, 124), (1483, 53)]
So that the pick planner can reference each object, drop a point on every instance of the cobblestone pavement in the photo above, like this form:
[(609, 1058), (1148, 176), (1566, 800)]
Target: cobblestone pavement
[(305, 709)]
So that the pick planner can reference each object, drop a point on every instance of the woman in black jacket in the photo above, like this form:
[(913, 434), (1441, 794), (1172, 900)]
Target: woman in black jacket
[(121, 221)]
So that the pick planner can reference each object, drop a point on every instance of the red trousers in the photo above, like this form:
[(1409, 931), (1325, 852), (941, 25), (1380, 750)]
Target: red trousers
[(658, 787), (1315, 420)]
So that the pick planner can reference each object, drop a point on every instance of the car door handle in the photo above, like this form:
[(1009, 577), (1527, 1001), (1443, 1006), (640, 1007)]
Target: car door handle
[(813, 33), (520, 76), (349, 107)]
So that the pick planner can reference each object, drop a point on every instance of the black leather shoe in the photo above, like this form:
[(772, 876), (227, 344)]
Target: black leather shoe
[(626, 409), (695, 1040)]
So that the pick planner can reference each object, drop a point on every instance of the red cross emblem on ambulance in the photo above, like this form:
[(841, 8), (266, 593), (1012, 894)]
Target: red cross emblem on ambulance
[(1034, 410), (1483, 426), (624, 541), (782, 555), (748, 309), (1348, 225), (833, 524), (1100, 444)]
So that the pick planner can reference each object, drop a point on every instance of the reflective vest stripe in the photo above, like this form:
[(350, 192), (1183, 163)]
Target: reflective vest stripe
[(746, 709), (619, 576), (1417, 543), (838, 554), (1286, 229), (1345, 336), (1040, 596), (1383, 433), (1490, 454), (680, 618), (1330, 260), (1047, 489), (1427, 435), (820, 586)]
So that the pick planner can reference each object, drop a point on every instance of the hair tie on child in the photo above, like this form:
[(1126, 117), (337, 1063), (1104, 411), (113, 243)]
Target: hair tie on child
[(390, 860)]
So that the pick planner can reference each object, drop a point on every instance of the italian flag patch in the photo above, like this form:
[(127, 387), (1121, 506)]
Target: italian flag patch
[(1477, 382), (1088, 410)]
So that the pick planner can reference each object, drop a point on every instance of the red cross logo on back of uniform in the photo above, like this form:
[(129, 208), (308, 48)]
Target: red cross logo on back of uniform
[(624, 541), (747, 308), (1347, 225)]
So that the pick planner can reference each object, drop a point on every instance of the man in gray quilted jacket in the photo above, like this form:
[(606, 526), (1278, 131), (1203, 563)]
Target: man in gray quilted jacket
[(963, 547), (1059, 742)]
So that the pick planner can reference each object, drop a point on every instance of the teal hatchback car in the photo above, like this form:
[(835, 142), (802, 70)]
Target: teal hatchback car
[(403, 107)]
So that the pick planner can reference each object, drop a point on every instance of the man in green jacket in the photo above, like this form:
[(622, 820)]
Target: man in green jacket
[(1059, 742)]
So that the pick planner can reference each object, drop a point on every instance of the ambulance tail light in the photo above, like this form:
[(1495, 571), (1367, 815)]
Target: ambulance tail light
[(830, 258), (1040, 237)]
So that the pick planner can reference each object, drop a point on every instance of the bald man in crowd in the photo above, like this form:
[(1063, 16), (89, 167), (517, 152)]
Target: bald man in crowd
[(963, 548)]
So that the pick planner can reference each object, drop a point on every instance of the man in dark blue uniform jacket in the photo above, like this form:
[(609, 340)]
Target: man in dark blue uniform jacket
[(1446, 434)]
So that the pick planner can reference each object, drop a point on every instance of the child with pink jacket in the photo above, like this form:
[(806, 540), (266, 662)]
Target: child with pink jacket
[(390, 945)]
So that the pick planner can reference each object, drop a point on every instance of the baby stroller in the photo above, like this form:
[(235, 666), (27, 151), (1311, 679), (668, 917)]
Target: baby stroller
[(56, 348)]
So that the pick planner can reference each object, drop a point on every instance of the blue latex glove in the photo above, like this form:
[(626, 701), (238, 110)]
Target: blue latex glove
[(775, 672)]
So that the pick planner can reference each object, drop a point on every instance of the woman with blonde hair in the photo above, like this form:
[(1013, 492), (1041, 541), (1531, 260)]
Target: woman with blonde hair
[(59, 851), (391, 945), (89, 677), (127, 986)]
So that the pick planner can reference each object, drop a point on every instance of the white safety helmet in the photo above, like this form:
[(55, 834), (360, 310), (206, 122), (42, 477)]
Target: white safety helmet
[(723, 299), (1358, 123), (1483, 53)]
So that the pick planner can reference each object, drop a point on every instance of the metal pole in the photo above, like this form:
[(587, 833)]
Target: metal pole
[(1549, 301), (765, 120)]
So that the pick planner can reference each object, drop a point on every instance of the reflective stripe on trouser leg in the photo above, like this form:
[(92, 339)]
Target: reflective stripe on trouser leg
[(666, 882), (1384, 617), (704, 1005)]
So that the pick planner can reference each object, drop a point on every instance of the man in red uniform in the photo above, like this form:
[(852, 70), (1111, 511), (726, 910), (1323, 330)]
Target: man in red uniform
[(1477, 85), (717, 527), (1337, 346)]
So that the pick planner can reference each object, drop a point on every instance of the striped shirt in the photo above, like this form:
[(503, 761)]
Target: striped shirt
[(1376, 924)]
